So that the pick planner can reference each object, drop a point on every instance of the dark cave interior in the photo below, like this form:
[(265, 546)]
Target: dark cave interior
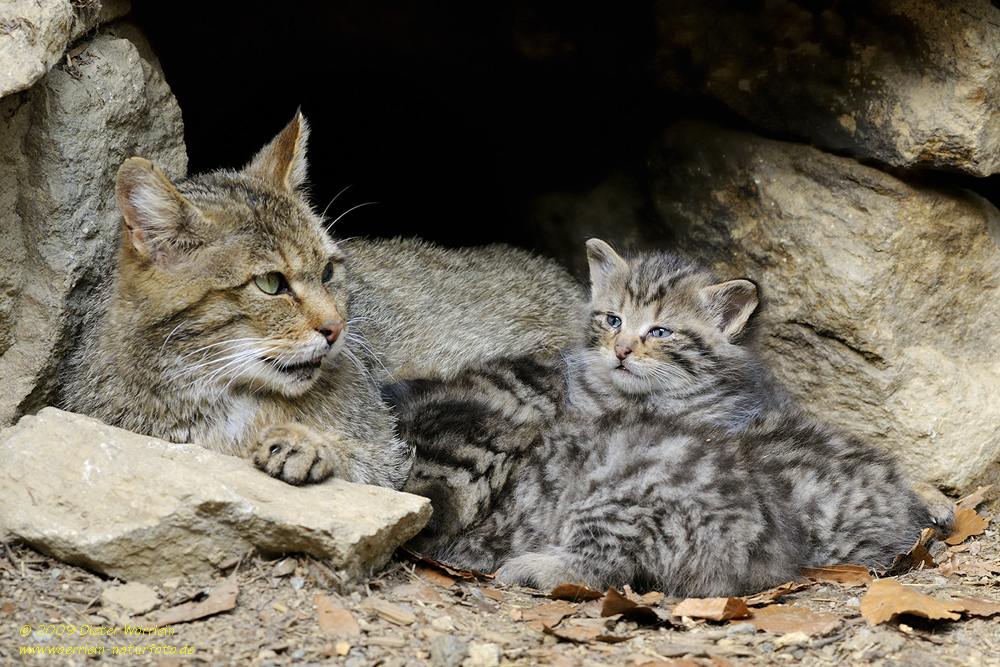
[(448, 117)]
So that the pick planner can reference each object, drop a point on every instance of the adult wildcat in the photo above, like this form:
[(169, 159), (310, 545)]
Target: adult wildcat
[(228, 321), (659, 454)]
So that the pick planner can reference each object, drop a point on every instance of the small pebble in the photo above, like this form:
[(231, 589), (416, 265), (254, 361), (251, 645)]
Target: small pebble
[(133, 597), (744, 628), (448, 651), (483, 655), (444, 623), (284, 568)]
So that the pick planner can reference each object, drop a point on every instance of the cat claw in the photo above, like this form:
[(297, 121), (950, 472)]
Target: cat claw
[(283, 454)]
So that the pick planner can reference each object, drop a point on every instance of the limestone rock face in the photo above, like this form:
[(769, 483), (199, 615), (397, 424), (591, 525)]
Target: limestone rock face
[(34, 34), (143, 509), (909, 83), (881, 300), (61, 143)]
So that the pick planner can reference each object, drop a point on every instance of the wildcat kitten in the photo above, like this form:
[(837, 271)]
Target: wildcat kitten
[(226, 321), (661, 454)]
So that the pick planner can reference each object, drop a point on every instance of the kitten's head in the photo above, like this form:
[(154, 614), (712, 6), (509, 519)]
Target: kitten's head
[(229, 276), (660, 324)]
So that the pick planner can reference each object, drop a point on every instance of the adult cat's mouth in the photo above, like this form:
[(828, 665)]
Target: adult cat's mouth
[(303, 369)]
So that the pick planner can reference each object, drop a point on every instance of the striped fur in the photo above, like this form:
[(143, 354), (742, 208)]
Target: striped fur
[(660, 459)]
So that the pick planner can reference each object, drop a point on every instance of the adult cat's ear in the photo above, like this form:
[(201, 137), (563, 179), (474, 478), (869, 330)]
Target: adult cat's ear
[(160, 224), (733, 302), (283, 161), (604, 263)]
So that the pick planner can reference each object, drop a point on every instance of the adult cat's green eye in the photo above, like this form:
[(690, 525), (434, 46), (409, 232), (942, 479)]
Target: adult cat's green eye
[(659, 332), (328, 272), (271, 283), (614, 321)]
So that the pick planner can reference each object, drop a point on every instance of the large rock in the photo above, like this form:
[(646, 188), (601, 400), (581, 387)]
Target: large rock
[(34, 34), (881, 299), (138, 508), (61, 143), (909, 83)]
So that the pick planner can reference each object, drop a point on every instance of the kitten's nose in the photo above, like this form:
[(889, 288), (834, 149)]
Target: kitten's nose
[(331, 330), (622, 350)]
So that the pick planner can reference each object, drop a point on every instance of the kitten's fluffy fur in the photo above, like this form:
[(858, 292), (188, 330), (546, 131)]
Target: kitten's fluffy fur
[(662, 455), (226, 322)]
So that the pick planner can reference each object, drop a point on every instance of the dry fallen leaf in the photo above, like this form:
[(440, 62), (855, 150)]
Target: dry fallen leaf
[(887, 598), (765, 597), (918, 556), (458, 572), (782, 620), (650, 598), (574, 593), (615, 603), (844, 575), (496, 596), (713, 609), (549, 614), (433, 575), (972, 501), (975, 607), (334, 619), (582, 630), (221, 598), (967, 524)]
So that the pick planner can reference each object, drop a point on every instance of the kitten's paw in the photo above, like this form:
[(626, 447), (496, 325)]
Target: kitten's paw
[(537, 570), (290, 453), (940, 507)]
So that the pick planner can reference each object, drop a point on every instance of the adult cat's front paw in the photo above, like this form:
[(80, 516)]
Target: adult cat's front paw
[(292, 453)]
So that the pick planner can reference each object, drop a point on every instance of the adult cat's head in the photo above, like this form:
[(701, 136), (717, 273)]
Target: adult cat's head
[(229, 276), (661, 324)]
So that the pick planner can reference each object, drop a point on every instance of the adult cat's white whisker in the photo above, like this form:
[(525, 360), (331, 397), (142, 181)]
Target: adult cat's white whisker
[(230, 342), (360, 365), (363, 343), (223, 358), (245, 356), (165, 340), (323, 214), (367, 203)]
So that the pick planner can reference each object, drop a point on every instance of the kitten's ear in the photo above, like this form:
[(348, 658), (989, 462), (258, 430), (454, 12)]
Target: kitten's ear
[(160, 224), (283, 161), (733, 302), (604, 263)]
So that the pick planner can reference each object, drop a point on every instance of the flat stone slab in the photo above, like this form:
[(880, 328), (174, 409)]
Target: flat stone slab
[(142, 509)]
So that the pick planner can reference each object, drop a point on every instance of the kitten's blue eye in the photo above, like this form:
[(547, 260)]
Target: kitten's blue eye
[(659, 332), (328, 272), (614, 321), (272, 283)]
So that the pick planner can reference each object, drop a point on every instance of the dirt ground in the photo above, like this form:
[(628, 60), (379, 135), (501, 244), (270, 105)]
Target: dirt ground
[(296, 611)]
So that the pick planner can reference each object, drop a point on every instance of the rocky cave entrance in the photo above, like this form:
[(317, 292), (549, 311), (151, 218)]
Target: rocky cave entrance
[(456, 117), (843, 155)]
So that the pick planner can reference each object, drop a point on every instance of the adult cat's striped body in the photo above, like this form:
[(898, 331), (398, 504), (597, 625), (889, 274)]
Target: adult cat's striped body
[(232, 320)]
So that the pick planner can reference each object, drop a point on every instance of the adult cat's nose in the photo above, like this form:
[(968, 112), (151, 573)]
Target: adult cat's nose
[(622, 350), (330, 331)]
